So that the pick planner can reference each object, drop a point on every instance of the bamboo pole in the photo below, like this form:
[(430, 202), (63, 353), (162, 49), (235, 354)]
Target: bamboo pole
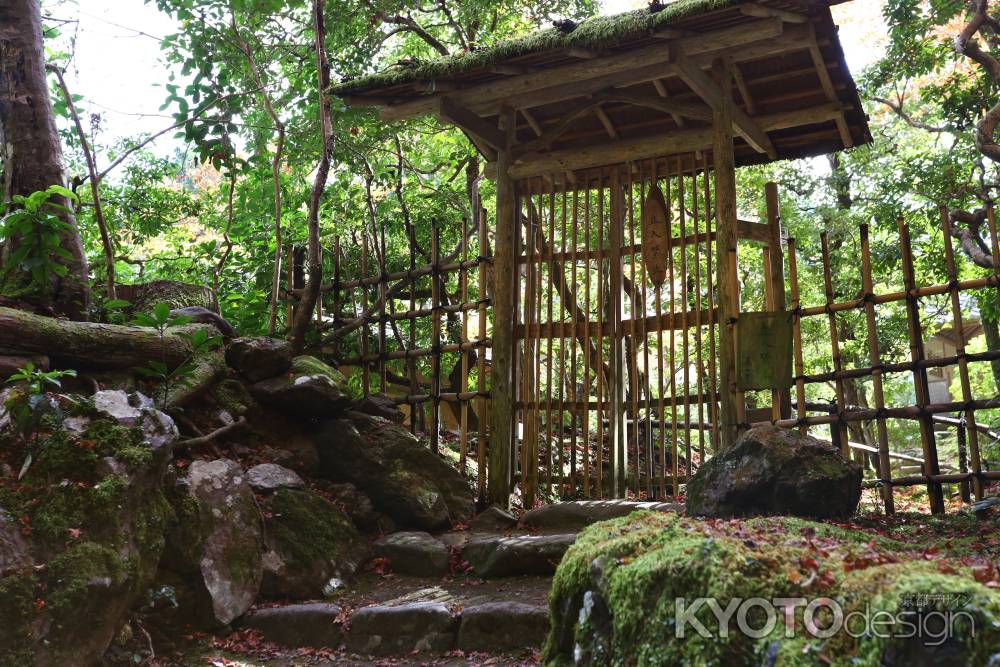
[(712, 320), (599, 371), (463, 289), (800, 387), (672, 364), (927, 441), (963, 361), (885, 465), (619, 459), (697, 307), (481, 357), (734, 295), (562, 362), (839, 435), (336, 291), (629, 221), (685, 353), (586, 335), (365, 379), (647, 435), (436, 288), (660, 414)]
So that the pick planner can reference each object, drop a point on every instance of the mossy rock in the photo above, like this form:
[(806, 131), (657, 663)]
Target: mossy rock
[(145, 296), (92, 511), (309, 389), (614, 596), (310, 542)]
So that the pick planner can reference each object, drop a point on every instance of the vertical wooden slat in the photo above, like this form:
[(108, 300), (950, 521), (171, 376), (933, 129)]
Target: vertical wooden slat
[(586, 335), (629, 220), (734, 307), (661, 366), (502, 367), (336, 291), (930, 466), (672, 363), (698, 240), (383, 288), (600, 378), (290, 285), (776, 276), (875, 358), (685, 352), (769, 306), (963, 362), (436, 279), (549, 334), (800, 385), (365, 379), (712, 319), (839, 429), (647, 435), (463, 291), (563, 341), (528, 374), (481, 358), (619, 459)]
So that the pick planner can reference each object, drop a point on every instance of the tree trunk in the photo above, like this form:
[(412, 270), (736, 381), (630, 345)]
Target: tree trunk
[(992, 330), (29, 143)]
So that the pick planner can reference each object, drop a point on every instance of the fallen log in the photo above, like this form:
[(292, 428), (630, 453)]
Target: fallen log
[(91, 344)]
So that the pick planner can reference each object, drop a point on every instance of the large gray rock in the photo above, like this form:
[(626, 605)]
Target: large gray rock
[(576, 515), (405, 480), (516, 555), (136, 410), (408, 628), (416, 554), (312, 547), (90, 509), (215, 549), (271, 477), (259, 358), (493, 519), (307, 624), (379, 405), (771, 470), (310, 389), (502, 626)]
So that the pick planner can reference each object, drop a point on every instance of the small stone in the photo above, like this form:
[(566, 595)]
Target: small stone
[(270, 477), (578, 514), (493, 519), (512, 556), (502, 626), (413, 553), (310, 624), (259, 358), (380, 405), (408, 628)]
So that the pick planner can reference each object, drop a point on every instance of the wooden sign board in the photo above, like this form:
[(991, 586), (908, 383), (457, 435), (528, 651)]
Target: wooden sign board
[(655, 235), (764, 350)]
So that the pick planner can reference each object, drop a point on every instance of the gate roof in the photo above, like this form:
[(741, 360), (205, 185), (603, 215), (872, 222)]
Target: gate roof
[(640, 85)]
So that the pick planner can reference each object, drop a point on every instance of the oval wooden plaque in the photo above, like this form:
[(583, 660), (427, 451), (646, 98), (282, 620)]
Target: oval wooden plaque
[(655, 235)]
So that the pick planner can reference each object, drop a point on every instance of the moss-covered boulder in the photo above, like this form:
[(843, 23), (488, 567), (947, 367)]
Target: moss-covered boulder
[(773, 470), (310, 388), (259, 358), (628, 591), (89, 516), (311, 545), (214, 549), (404, 479)]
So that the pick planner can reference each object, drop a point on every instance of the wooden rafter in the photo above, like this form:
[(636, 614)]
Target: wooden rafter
[(708, 90), (819, 62), (532, 122), (661, 90), (760, 11), (678, 141), (609, 127), (518, 91), (741, 85)]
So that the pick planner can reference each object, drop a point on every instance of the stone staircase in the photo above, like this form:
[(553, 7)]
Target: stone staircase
[(481, 590)]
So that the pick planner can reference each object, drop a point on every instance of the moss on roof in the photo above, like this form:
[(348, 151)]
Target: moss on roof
[(598, 32)]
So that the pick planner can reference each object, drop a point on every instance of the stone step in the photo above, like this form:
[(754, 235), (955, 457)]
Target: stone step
[(405, 628), (576, 515), (516, 555)]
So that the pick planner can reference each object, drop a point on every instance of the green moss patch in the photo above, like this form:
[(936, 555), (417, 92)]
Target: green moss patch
[(599, 32), (628, 573), (308, 527)]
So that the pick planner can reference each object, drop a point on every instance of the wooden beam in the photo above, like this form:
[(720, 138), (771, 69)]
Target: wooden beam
[(490, 95), (677, 141), (609, 127), (470, 122), (661, 90), (582, 53), (741, 85), (724, 168), (510, 70), (535, 127), (709, 91), (819, 62), (760, 11), (502, 366)]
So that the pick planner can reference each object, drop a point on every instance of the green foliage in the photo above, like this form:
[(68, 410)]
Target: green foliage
[(34, 226), (159, 371)]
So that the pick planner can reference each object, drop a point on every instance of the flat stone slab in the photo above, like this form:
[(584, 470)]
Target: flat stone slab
[(414, 553), (578, 514), (493, 519), (271, 477), (310, 624), (508, 556), (401, 630), (503, 626)]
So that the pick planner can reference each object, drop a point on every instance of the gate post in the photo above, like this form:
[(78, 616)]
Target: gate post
[(782, 397), (501, 386), (725, 243)]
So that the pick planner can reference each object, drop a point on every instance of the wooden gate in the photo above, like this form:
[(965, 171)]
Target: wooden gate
[(616, 380)]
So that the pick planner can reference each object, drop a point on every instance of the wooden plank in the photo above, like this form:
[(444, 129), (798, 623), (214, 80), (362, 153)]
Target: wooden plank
[(479, 98), (655, 234), (709, 91), (677, 141), (452, 111), (609, 127), (776, 276), (501, 370)]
